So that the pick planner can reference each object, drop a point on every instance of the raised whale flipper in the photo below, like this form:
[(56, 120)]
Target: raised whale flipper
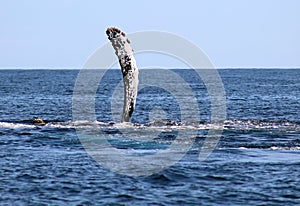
[(123, 50)]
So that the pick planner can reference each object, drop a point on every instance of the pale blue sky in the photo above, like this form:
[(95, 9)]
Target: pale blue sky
[(233, 33)]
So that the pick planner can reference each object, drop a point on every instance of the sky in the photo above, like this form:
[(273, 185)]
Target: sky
[(233, 33)]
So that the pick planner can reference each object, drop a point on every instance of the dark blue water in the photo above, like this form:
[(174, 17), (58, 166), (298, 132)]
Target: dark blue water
[(256, 161)]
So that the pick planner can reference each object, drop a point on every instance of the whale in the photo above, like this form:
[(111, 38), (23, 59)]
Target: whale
[(130, 71)]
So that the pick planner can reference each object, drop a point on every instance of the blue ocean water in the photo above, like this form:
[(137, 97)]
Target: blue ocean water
[(256, 161)]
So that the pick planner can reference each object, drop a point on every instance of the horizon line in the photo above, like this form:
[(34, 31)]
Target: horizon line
[(79, 68)]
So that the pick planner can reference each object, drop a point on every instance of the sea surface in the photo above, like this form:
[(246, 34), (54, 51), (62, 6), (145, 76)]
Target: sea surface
[(255, 161)]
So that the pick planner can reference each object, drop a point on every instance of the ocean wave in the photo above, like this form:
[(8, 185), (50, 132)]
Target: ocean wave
[(254, 124), (163, 125), (9, 125), (280, 148), (292, 148)]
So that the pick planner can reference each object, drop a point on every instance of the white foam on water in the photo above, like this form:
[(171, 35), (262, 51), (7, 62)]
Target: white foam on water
[(285, 148), (161, 126), (9, 125), (260, 124)]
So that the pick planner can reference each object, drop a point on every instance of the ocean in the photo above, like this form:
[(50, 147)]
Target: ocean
[(255, 161)]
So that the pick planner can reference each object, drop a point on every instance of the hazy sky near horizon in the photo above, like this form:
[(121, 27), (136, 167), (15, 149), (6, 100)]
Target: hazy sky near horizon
[(233, 33)]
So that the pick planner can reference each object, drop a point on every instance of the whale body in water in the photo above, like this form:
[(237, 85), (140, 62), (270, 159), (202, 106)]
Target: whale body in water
[(124, 52)]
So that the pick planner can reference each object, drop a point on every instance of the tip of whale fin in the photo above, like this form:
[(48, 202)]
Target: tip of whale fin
[(113, 32)]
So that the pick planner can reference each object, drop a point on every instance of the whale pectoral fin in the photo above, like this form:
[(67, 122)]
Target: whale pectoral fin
[(124, 52)]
